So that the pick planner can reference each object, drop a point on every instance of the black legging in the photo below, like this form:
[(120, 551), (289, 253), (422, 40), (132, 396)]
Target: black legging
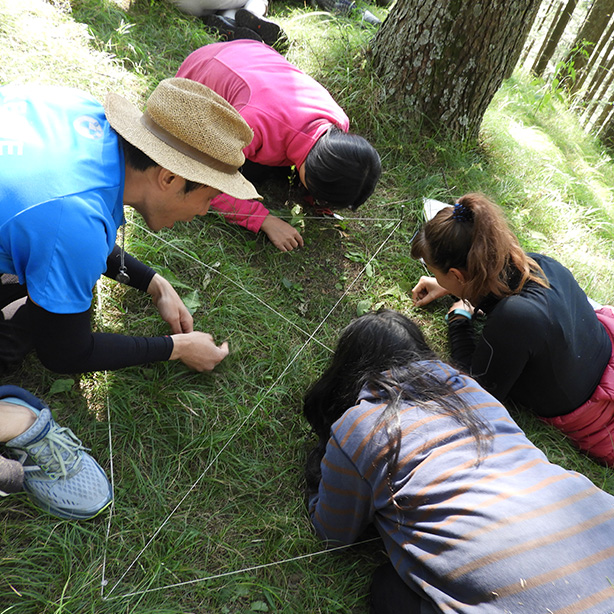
[(390, 595), (16, 338)]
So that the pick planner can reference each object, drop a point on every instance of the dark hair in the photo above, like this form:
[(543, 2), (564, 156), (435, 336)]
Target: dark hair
[(342, 170), (140, 161), (381, 350), (474, 237)]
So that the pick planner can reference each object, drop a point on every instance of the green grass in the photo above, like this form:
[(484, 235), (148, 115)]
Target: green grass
[(208, 468)]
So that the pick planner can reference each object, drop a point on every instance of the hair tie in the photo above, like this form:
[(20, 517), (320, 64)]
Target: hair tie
[(462, 213)]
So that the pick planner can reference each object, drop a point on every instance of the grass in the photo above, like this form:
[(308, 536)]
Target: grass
[(208, 468)]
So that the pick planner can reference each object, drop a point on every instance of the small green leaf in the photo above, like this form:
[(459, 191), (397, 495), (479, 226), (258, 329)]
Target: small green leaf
[(61, 385), (172, 279), (363, 307), (259, 606), (192, 301)]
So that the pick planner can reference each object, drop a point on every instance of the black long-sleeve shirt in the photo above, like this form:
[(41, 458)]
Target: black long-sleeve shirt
[(65, 343), (544, 348)]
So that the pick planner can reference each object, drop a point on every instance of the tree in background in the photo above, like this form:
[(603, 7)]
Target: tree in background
[(553, 38), (590, 40), (443, 60)]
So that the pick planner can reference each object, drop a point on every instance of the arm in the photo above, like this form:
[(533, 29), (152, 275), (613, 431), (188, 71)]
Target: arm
[(65, 343), (461, 334), (247, 213), (140, 274), (342, 507), (502, 351), (254, 216), (170, 306)]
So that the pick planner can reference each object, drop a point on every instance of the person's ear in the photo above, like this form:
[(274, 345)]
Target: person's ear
[(461, 276), (166, 178)]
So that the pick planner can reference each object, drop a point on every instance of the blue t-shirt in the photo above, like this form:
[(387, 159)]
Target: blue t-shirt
[(61, 193)]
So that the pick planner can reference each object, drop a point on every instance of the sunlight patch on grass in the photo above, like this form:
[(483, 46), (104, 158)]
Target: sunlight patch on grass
[(532, 138)]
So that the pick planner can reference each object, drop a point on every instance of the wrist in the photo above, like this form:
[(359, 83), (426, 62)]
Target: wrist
[(155, 287), (456, 313)]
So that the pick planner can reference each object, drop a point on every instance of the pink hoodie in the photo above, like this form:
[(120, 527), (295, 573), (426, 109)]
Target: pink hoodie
[(287, 109)]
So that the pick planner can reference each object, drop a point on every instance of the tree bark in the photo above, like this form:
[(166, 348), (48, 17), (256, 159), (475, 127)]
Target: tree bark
[(607, 134), (590, 32), (594, 57), (551, 45), (599, 76), (599, 123), (535, 30), (443, 61), (542, 47)]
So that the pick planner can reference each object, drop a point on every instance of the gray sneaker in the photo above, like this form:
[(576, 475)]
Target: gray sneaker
[(59, 475)]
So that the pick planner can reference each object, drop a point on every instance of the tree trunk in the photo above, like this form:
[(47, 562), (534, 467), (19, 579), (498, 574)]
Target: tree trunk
[(546, 38), (599, 123), (594, 57), (607, 134), (542, 62), (535, 30), (590, 32), (599, 76), (443, 61)]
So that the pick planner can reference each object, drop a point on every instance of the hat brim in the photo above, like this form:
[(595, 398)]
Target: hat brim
[(125, 118)]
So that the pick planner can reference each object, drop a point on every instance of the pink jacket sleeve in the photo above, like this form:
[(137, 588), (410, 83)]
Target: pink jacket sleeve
[(247, 213)]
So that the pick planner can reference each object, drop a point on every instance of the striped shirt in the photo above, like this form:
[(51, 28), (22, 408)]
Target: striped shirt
[(513, 533)]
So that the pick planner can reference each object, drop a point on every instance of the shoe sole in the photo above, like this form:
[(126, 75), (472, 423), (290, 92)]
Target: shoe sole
[(68, 515), (268, 30)]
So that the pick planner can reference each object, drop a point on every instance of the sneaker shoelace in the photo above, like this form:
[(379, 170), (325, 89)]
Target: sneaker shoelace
[(58, 454)]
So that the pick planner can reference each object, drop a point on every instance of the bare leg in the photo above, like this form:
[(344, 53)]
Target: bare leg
[(14, 420)]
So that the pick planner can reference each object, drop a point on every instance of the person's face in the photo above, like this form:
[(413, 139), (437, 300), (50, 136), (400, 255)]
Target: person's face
[(175, 205), (453, 281)]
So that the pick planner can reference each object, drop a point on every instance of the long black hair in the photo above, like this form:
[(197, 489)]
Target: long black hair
[(382, 350), (342, 169)]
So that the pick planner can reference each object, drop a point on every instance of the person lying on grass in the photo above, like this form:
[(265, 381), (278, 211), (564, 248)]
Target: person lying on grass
[(68, 167), (543, 345), (472, 515), (296, 123)]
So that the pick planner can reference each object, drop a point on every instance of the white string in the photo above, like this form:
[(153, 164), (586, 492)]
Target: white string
[(111, 471), (245, 569), (232, 281), (239, 428)]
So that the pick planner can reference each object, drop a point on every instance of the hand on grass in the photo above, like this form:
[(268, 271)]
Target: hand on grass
[(281, 234), (170, 306), (198, 351), (427, 290)]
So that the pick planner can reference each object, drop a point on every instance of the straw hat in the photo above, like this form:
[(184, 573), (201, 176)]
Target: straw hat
[(189, 130)]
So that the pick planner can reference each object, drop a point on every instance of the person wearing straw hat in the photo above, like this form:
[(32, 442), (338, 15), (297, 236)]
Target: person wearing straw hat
[(68, 167)]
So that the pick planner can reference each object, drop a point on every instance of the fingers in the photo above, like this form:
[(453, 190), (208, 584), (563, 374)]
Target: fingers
[(198, 351), (281, 234), (420, 292), (290, 243)]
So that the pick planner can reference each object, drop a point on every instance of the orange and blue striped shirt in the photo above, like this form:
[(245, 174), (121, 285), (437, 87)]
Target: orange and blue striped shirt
[(512, 533)]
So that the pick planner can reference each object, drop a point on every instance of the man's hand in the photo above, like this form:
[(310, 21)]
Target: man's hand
[(198, 351), (281, 234), (427, 290), (170, 306)]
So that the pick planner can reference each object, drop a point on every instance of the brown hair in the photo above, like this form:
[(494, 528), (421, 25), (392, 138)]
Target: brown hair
[(474, 237)]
